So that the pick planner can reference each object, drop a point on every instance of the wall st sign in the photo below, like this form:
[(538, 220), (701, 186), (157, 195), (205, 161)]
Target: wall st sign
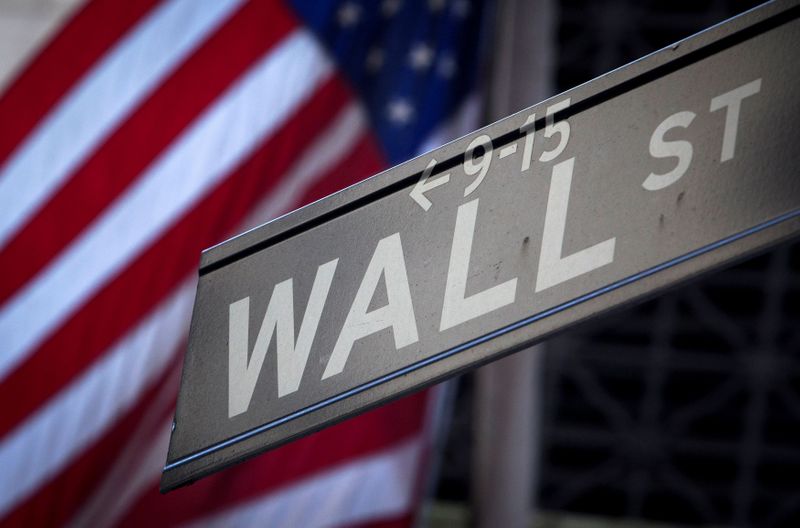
[(617, 189)]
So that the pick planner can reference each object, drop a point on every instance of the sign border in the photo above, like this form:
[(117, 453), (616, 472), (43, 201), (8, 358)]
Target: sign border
[(637, 287)]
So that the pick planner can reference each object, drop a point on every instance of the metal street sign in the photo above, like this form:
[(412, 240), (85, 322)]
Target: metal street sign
[(608, 193)]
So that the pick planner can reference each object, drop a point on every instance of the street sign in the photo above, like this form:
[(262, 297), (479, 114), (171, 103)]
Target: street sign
[(613, 191)]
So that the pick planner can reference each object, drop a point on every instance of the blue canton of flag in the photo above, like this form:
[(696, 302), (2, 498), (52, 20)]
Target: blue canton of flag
[(412, 62)]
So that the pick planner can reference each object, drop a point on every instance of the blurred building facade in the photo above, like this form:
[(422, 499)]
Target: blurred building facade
[(685, 409)]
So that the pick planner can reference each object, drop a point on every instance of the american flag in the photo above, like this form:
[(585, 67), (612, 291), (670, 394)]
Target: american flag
[(143, 132)]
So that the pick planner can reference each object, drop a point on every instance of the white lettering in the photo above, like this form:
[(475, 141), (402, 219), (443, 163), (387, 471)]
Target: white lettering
[(733, 102), (425, 184), (553, 268), (471, 168), (665, 149), (528, 129), (457, 308), (551, 128), (388, 260), (279, 318)]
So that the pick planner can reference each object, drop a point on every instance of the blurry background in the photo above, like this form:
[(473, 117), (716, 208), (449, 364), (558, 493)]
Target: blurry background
[(684, 411)]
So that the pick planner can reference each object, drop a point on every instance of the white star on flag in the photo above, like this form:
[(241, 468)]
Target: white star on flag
[(421, 56), (349, 14), (400, 111), (390, 7)]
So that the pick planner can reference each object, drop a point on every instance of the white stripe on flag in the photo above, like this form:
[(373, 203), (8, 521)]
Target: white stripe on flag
[(51, 437), (252, 109), (336, 143), (99, 102), (463, 121), (369, 488)]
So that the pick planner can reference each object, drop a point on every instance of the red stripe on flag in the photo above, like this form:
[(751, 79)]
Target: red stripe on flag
[(70, 54), (141, 286), (364, 160), (242, 40), (55, 502), (371, 432)]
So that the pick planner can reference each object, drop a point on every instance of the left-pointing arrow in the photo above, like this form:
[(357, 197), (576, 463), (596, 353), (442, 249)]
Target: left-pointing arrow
[(425, 184)]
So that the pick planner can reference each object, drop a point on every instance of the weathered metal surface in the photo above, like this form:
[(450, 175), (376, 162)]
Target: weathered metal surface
[(638, 180)]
